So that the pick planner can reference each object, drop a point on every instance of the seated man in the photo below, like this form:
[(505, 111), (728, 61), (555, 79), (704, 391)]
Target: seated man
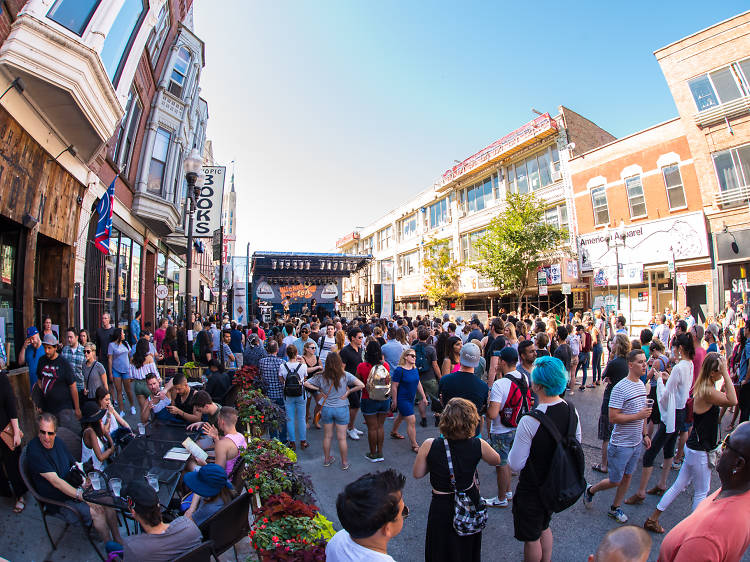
[(182, 397), (218, 382), (155, 406), (228, 443), (49, 463), (371, 511), (160, 541), (206, 408)]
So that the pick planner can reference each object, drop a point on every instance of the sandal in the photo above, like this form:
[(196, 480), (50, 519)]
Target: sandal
[(329, 461), (653, 526), (635, 499), (346, 466), (395, 435), (20, 506), (304, 444), (598, 468), (656, 491)]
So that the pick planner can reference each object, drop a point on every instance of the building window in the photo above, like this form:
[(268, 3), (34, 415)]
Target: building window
[(408, 227), (535, 172), (408, 264), (675, 190), (636, 198), (158, 160), (721, 86), (385, 236), (557, 216), (126, 132), (733, 171), (73, 15), (158, 34), (479, 196), (120, 37), (439, 213), (468, 246), (599, 203), (179, 72)]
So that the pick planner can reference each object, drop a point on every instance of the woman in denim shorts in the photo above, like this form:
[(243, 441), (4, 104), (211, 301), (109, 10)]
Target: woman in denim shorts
[(375, 411), (334, 385)]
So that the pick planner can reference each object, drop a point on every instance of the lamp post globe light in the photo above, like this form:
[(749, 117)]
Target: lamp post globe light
[(616, 238), (193, 166)]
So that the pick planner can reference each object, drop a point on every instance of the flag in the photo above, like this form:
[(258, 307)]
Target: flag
[(104, 226)]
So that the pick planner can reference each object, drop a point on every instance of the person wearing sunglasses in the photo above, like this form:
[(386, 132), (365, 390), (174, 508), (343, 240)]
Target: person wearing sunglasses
[(371, 511), (703, 438), (716, 530), (94, 373), (406, 385)]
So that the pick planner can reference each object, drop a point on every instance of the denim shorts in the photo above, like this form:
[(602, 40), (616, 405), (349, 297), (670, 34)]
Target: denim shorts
[(370, 407), (502, 443), (339, 416), (622, 461), (119, 375)]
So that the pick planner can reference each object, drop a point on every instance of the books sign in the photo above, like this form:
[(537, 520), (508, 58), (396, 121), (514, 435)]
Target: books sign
[(208, 203)]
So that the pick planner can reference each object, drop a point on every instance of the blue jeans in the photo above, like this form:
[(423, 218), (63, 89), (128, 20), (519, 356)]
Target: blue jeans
[(596, 363), (281, 434), (295, 414), (583, 363)]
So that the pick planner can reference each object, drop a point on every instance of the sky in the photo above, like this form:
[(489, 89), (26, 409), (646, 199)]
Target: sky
[(335, 112)]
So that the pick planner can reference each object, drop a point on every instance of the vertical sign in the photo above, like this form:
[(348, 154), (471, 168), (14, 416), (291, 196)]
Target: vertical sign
[(208, 204), (386, 300)]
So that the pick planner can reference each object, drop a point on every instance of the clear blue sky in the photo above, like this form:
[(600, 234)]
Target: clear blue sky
[(338, 111)]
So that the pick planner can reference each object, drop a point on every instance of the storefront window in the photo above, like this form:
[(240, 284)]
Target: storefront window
[(123, 275), (135, 281), (8, 255), (110, 264), (161, 279)]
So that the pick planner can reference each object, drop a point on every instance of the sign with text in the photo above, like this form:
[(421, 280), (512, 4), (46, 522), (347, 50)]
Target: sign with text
[(208, 204)]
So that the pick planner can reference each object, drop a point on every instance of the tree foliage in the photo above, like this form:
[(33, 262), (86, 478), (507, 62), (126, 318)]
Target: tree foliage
[(516, 243), (441, 273)]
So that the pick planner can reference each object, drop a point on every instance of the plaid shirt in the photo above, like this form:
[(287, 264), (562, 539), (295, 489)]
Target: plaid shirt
[(253, 354), (76, 360), (269, 370)]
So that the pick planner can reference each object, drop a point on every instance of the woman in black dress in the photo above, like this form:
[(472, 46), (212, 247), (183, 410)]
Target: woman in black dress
[(11, 483), (458, 424)]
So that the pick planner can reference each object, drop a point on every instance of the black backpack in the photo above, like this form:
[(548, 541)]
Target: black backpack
[(565, 482), (292, 383), (422, 365)]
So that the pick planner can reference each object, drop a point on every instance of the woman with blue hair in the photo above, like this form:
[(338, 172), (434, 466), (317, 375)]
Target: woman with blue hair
[(531, 455)]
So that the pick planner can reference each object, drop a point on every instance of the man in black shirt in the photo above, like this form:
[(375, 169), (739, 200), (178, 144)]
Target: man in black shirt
[(464, 383), (57, 391), (218, 381), (495, 344), (102, 338), (351, 355), (563, 352)]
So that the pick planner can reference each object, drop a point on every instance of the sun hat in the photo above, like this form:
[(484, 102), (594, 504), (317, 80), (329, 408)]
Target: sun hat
[(208, 481), (90, 412), (470, 355)]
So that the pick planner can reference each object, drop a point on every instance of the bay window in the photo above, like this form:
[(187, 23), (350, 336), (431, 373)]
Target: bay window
[(120, 37), (126, 132), (179, 72), (158, 34), (158, 161), (73, 15)]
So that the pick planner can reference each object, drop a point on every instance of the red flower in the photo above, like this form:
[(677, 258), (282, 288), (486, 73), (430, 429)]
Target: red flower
[(249, 489), (265, 520), (275, 538)]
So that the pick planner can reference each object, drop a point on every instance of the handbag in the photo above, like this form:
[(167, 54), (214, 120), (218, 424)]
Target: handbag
[(7, 436), (316, 417), (689, 410), (468, 517)]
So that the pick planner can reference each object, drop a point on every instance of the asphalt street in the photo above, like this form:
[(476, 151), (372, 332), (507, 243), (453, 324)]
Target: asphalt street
[(577, 531)]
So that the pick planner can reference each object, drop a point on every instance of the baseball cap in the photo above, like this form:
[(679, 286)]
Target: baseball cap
[(143, 496), (470, 355), (509, 355), (31, 331), (49, 339), (714, 329)]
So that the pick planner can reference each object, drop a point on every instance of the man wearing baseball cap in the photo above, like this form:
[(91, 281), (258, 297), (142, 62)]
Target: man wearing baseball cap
[(58, 391), (464, 383), (31, 352), (160, 541)]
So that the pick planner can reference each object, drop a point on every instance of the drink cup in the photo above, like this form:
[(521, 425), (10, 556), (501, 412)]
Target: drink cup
[(95, 479), (141, 429), (153, 481), (649, 402), (115, 485)]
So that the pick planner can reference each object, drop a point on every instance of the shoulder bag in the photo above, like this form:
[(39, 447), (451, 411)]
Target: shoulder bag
[(468, 518)]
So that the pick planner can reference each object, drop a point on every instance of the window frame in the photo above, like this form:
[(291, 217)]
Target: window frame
[(642, 195), (85, 23), (741, 81), (184, 76), (152, 158), (402, 231), (158, 36), (403, 261), (443, 213), (669, 188), (594, 191), (741, 176), (465, 244), (129, 43), (127, 133)]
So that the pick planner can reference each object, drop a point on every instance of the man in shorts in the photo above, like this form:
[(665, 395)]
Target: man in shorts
[(429, 372), (628, 411)]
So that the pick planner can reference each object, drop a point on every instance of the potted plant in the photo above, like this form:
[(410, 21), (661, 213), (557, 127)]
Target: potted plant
[(248, 378), (259, 413)]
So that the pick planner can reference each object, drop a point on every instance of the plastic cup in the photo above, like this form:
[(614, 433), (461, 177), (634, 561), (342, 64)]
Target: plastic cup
[(153, 481), (115, 484), (141, 429), (649, 402), (95, 479)]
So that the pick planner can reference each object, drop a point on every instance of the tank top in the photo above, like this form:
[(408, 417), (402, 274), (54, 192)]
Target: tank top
[(88, 453), (239, 440), (185, 405), (465, 454), (705, 433)]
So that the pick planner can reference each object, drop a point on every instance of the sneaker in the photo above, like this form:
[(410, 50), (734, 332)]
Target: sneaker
[(509, 495), (380, 458), (373, 458), (358, 432), (132, 410), (676, 465), (588, 497), (352, 433), (122, 413), (618, 515), (582, 388), (423, 423), (495, 502)]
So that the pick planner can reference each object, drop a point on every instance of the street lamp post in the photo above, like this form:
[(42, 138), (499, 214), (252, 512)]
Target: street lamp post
[(194, 176), (612, 239)]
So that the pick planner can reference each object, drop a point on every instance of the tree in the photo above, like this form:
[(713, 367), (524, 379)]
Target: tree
[(441, 273), (516, 243)]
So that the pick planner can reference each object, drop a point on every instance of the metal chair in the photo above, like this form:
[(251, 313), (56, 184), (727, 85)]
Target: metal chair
[(44, 504), (230, 397), (229, 525), (236, 476), (71, 440), (201, 553)]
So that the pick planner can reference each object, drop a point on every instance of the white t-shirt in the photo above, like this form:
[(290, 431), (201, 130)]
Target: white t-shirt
[(341, 548), (289, 340), (499, 394), (325, 348)]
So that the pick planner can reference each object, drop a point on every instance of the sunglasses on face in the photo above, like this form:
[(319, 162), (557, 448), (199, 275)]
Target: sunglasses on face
[(87, 351), (50, 433), (411, 355)]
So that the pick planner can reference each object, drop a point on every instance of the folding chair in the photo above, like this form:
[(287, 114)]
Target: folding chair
[(201, 553), (229, 525)]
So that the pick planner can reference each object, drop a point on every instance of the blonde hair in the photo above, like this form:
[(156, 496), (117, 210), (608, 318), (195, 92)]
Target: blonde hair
[(402, 359), (459, 419), (90, 345), (703, 383), (512, 328)]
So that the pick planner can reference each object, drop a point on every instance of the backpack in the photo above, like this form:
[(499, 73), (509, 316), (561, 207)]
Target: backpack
[(292, 382), (517, 403), (379, 383), (565, 482), (423, 366)]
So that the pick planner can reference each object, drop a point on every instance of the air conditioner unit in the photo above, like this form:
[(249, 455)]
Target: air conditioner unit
[(556, 175)]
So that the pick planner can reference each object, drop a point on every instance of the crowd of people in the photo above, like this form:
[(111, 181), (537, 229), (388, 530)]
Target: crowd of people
[(496, 390)]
